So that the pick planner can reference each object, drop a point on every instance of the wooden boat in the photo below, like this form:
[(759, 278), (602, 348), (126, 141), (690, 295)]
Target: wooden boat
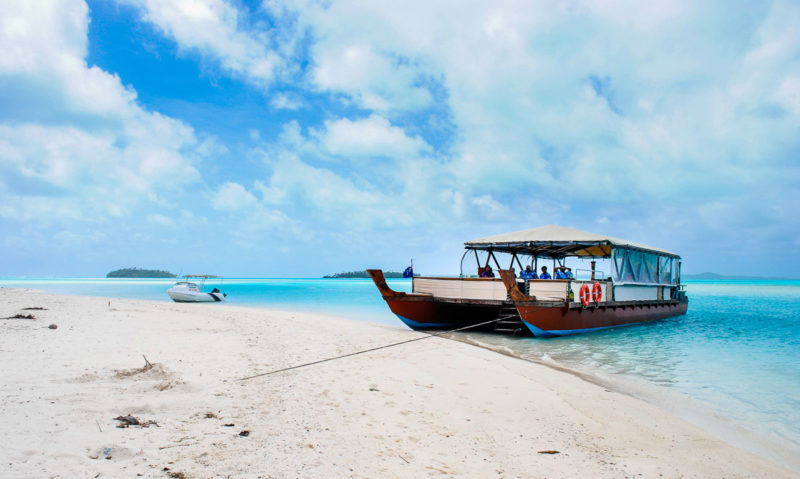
[(644, 285)]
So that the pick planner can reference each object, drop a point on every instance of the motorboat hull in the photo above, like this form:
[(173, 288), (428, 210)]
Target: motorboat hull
[(194, 296)]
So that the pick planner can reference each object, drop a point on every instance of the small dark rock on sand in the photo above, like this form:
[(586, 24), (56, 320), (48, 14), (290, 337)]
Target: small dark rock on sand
[(53, 326), (244, 433)]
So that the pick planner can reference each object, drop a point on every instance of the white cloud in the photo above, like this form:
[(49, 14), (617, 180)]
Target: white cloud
[(285, 101), (231, 197), (99, 152), (376, 81), (372, 136), (215, 29), (160, 220)]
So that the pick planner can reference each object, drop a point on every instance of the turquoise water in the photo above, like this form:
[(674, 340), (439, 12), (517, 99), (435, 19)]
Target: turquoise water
[(736, 352)]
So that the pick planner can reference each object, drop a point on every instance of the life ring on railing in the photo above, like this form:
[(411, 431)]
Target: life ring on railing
[(597, 292), (584, 295)]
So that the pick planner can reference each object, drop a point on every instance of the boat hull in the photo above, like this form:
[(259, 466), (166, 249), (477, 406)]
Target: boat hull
[(427, 313), (544, 321), (194, 297), (547, 319)]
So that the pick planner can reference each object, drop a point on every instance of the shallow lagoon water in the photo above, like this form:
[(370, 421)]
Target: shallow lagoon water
[(736, 352)]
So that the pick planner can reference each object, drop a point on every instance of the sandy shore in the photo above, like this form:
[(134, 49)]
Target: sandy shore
[(427, 408)]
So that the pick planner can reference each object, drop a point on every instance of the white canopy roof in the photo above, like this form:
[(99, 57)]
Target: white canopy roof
[(554, 240)]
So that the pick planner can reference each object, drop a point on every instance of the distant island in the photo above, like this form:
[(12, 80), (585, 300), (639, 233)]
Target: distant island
[(713, 276), (363, 274), (139, 273)]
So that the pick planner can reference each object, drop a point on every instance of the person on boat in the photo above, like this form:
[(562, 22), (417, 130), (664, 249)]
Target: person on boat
[(545, 274), (528, 273), (487, 272), (561, 272)]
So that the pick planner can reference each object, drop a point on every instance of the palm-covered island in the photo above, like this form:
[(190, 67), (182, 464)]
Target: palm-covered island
[(139, 273), (362, 274)]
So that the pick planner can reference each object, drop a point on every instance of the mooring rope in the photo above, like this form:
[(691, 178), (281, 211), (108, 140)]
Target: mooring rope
[(427, 336)]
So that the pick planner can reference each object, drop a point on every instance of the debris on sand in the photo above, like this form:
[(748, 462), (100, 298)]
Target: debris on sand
[(53, 326), (21, 316), (127, 421), (152, 370), (211, 415), (550, 451), (244, 433), (175, 475), (35, 308)]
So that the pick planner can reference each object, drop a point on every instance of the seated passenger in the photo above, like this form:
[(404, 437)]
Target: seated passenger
[(528, 273), (487, 272), (545, 274), (561, 273)]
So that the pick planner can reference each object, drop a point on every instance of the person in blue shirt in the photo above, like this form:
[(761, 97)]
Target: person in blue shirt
[(528, 274), (487, 272), (545, 274), (561, 273)]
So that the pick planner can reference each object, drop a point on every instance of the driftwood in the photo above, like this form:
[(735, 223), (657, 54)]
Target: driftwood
[(21, 316)]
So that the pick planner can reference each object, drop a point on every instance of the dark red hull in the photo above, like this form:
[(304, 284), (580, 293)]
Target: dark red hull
[(423, 311), (562, 320)]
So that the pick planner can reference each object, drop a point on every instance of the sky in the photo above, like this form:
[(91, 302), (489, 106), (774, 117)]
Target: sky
[(301, 138)]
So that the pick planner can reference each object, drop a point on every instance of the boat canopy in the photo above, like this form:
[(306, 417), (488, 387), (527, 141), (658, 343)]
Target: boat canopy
[(632, 263), (558, 241)]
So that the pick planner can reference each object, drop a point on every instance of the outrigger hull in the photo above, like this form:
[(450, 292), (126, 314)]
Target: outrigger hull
[(425, 312)]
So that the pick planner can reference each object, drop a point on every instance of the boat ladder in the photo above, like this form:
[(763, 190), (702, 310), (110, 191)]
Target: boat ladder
[(508, 320)]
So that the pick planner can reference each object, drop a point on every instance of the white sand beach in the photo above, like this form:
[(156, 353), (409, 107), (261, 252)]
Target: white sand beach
[(430, 408)]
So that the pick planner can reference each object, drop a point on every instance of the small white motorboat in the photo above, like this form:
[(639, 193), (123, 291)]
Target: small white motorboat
[(190, 292)]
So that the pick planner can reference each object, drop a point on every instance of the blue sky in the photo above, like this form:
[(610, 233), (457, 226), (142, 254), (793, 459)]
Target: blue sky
[(303, 138)]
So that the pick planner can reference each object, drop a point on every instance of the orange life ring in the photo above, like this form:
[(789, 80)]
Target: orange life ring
[(584, 295), (597, 292)]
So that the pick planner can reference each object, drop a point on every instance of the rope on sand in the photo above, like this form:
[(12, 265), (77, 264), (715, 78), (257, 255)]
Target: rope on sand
[(427, 336)]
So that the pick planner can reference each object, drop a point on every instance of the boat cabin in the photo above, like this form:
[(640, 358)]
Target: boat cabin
[(612, 269)]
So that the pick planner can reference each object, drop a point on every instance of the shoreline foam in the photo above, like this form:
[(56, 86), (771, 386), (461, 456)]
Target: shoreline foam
[(433, 407)]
